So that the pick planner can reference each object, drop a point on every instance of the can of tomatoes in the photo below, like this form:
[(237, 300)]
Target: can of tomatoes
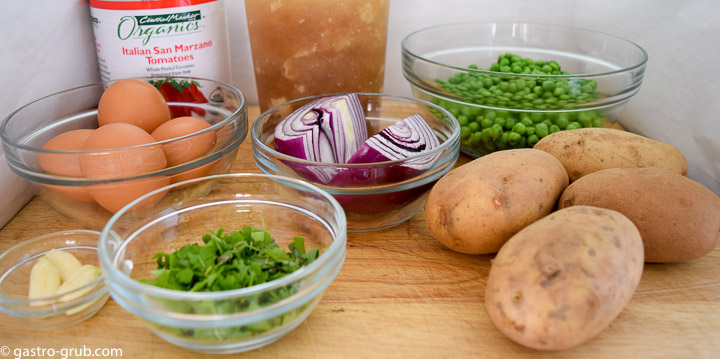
[(161, 38)]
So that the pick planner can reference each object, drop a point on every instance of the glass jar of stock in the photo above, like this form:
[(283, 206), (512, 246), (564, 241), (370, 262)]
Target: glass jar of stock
[(313, 47)]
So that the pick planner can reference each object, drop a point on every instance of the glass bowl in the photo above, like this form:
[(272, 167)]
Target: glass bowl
[(232, 320), (545, 79), (375, 197), (55, 311), (28, 128)]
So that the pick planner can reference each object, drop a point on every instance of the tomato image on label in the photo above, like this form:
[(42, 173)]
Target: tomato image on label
[(181, 91)]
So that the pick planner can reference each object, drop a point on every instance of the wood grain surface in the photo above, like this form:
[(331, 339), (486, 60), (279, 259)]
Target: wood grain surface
[(401, 294)]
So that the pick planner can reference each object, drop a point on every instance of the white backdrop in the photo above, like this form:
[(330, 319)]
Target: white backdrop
[(47, 46)]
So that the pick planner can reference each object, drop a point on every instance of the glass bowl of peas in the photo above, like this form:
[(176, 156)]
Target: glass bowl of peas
[(511, 84)]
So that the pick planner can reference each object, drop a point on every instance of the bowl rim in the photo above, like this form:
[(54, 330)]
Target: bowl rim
[(449, 142), (234, 115), (113, 274), (41, 310), (406, 50)]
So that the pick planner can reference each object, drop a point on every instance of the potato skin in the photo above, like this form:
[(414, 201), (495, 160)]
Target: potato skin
[(563, 279), (587, 150), (478, 206), (678, 218)]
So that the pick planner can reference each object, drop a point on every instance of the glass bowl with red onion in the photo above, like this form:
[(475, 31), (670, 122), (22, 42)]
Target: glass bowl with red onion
[(378, 155)]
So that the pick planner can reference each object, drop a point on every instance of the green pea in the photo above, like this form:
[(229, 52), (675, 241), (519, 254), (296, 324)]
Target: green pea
[(496, 130), (473, 126), (500, 121), (490, 114), (554, 128), (532, 140), (526, 121), (562, 122), (530, 130), (475, 138), (509, 123), (485, 135), (538, 90), (522, 143), (541, 130), (513, 138), (463, 120), (547, 122), (502, 141), (585, 119), (485, 123), (519, 128), (465, 132), (573, 126), (597, 122)]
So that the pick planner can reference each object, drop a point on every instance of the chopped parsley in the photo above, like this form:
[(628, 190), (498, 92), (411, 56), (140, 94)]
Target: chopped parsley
[(235, 260)]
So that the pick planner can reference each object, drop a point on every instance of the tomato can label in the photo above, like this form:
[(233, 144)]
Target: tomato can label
[(162, 38)]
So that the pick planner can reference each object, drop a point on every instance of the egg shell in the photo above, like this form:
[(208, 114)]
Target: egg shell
[(197, 172), (134, 102), (77, 193), (114, 196), (114, 156), (66, 164), (186, 149)]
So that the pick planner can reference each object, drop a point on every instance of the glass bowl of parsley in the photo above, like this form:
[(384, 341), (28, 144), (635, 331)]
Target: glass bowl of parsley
[(225, 263)]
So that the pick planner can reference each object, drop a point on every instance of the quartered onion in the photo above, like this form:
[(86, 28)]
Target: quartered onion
[(328, 130), (401, 140)]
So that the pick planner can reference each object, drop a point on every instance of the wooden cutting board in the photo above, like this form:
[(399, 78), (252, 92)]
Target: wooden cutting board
[(401, 294)]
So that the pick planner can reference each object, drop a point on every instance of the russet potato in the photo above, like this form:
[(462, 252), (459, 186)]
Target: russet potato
[(563, 279), (478, 206), (587, 150), (678, 218)]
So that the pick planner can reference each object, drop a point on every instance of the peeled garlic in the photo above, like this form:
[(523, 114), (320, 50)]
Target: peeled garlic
[(84, 275), (65, 263), (44, 281)]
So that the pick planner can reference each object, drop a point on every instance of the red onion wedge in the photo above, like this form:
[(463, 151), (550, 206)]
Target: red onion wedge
[(328, 130), (409, 137), (401, 140)]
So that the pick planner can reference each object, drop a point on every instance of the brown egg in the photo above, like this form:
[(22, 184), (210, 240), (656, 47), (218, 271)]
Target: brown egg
[(200, 171), (189, 148), (66, 164), (114, 196), (134, 102), (112, 159)]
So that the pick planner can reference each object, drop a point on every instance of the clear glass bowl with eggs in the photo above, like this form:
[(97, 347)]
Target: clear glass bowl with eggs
[(90, 150)]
